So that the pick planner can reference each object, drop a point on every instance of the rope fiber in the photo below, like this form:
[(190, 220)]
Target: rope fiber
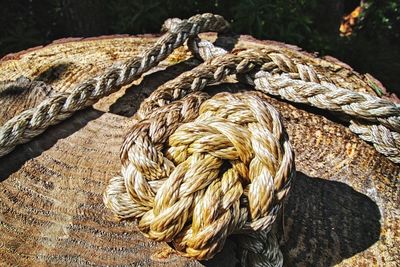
[(30, 123), (195, 168), (196, 171)]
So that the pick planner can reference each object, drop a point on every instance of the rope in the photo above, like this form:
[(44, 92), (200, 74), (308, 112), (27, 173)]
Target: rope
[(176, 162), (377, 120), (173, 195), (30, 123), (195, 171)]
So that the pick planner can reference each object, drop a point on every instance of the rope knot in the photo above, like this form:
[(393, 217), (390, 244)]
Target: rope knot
[(197, 171)]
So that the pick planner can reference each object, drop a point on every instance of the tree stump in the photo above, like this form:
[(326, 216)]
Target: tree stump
[(343, 208)]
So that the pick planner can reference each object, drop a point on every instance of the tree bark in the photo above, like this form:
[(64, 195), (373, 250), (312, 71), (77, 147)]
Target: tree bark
[(343, 207)]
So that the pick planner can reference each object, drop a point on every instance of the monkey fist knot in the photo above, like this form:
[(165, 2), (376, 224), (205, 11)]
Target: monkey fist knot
[(195, 171)]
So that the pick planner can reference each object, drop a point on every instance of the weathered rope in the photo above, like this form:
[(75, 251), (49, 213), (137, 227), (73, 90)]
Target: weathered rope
[(33, 122), (168, 170), (375, 120), (194, 169), (136, 193), (194, 175)]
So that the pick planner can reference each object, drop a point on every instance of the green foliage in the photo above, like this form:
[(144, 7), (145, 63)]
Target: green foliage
[(288, 21), (24, 23), (381, 19), (137, 16), (313, 25), (374, 46)]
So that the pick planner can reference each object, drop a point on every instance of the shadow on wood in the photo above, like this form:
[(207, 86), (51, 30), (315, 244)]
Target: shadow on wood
[(128, 104), (53, 72), (51, 208), (22, 153), (327, 224)]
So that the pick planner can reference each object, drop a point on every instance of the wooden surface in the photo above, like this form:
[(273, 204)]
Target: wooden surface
[(343, 208)]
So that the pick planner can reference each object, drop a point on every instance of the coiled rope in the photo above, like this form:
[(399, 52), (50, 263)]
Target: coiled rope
[(173, 177), (197, 169)]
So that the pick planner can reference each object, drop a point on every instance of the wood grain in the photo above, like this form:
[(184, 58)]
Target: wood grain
[(343, 209)]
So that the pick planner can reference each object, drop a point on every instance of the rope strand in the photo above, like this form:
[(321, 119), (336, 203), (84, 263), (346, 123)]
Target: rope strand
[(33, 122), (299, 83), (196, 169)]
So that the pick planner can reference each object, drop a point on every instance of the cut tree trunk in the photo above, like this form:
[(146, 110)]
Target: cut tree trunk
[(343, 208)]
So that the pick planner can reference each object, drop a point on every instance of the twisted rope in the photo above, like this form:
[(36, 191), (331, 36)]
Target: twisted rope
[(173, 177), (376, 120), (33, 122), (195, 171)]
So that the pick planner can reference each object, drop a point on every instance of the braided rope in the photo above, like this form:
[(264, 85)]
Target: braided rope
[(212, 71), (330, 97), (377, 120), (296, 82), (33, 122), (194, 169), (181, 196)]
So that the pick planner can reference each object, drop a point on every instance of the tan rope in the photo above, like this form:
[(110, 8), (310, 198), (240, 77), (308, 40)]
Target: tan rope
[(33, 122), (173, 176), (194, 175), (194, 169), (144, 182)]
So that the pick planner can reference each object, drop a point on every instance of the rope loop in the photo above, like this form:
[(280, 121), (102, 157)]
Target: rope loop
[(197, 169), (196, 172)]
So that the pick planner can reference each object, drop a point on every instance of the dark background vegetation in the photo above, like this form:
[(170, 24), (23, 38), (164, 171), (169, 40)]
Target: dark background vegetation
[(374, 46)]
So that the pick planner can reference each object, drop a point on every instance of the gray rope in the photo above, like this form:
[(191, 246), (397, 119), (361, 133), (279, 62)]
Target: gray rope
[(33, 122), (375, 120)]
